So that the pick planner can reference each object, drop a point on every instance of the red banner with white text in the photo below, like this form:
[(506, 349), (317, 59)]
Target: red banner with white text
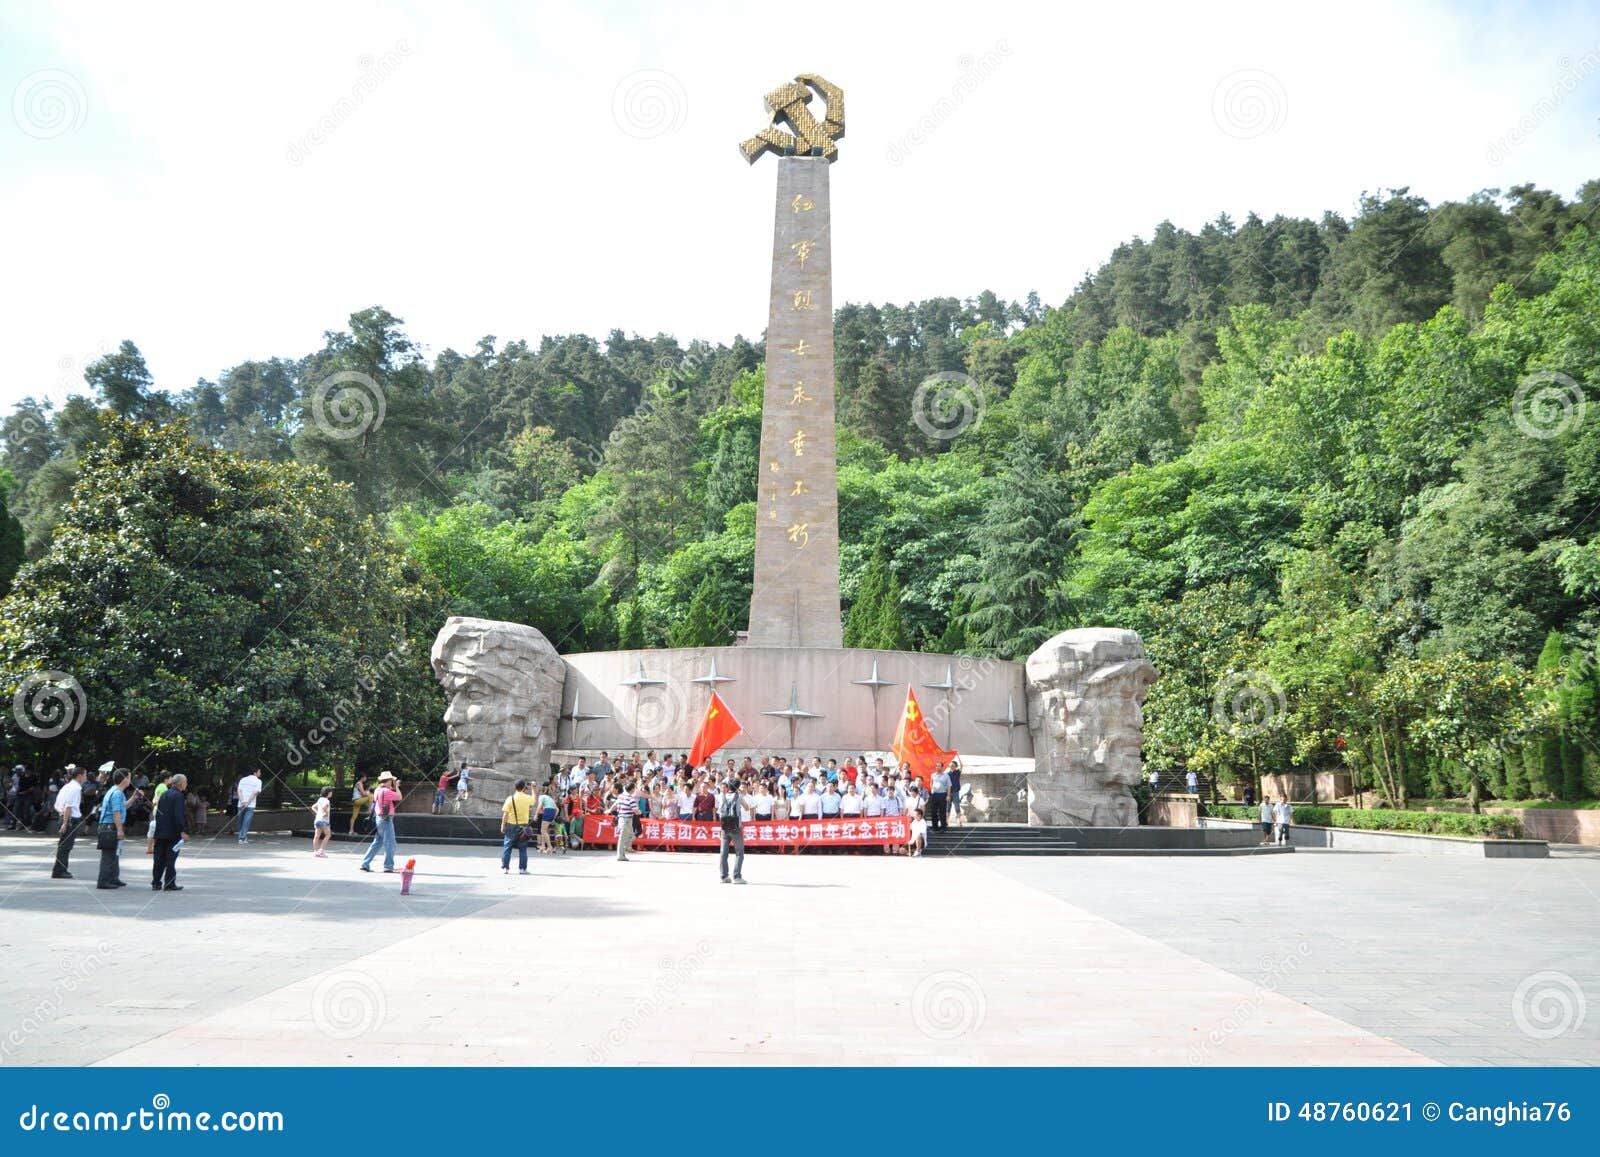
[(863, 831)]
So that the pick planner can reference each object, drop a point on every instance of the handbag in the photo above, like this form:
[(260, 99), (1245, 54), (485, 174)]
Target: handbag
[(524, 833), (106, 838)]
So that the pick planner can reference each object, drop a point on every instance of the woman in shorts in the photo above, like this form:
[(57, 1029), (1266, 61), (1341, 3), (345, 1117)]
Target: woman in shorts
[(547, 818), (322, 823)]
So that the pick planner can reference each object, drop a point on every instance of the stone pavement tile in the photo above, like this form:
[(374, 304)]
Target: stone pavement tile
[(1426, 960), (1019, 978), (1048, 961)]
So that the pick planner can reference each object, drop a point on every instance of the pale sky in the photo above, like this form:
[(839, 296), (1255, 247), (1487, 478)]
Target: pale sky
[(524, 169)]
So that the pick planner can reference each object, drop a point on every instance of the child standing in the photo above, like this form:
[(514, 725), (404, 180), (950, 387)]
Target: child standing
[(322, 823)]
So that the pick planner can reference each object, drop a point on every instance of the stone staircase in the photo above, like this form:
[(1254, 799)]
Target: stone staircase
[(1024, 840), (1179, 785), (1000, 840)]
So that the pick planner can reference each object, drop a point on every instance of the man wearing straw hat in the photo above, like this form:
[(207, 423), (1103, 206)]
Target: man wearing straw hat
[(384, 802)]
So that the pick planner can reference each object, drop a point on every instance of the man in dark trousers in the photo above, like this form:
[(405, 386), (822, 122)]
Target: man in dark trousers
[(113, 815), (939, 799), (69, 806), (169, 826)]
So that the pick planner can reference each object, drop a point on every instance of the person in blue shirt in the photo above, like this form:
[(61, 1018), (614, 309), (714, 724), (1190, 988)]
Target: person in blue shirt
[(113, 810)]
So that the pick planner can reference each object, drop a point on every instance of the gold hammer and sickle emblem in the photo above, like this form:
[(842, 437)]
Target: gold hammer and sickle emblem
[(806, 136)]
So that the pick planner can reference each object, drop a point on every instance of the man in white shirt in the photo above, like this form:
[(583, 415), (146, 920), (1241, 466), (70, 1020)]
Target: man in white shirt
[(14, 798), (938, 815), (249, 792), (1267, 817), (69, 806), (872, 802), (1285, 817), (1192, 782), (850, 802)]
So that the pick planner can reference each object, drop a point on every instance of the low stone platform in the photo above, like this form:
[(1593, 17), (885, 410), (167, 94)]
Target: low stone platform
[(1413, 843), (1028, 840), (963, 840)]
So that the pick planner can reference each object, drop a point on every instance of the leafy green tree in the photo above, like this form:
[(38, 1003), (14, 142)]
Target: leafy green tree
[(1387, 270), (211, 607), (708, 622), (12, 543), (367, 415), (504, 570), (954, 640), (1025, 534), (123, 385), (874, 619)]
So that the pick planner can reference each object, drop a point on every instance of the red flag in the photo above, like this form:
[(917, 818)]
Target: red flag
[(914, 745), (716, 729)]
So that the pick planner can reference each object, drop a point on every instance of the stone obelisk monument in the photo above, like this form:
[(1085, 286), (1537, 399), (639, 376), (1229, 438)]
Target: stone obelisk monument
[(795, 602)]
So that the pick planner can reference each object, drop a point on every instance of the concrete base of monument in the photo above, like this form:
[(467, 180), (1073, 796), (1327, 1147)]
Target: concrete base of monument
[(971, 839), (827, 701)]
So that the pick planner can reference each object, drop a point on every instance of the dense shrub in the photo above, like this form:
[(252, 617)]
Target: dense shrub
[(1381, 820)]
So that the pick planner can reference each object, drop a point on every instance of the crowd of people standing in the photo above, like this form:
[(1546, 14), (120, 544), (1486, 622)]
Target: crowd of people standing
[(106, 805), (776, 789)]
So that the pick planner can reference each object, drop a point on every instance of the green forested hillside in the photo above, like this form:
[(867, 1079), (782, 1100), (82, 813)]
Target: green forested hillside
[(1342, 474)]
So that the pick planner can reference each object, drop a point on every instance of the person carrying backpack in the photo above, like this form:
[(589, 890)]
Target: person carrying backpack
[(730, 805)]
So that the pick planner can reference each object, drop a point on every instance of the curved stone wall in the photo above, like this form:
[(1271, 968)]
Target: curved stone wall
[(829, 701)]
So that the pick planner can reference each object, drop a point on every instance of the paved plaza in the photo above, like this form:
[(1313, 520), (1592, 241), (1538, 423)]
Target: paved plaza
[(271, 957)]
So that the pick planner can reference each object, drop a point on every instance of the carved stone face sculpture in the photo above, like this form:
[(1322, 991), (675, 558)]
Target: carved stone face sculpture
[(504, 681), (1086, 692)]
